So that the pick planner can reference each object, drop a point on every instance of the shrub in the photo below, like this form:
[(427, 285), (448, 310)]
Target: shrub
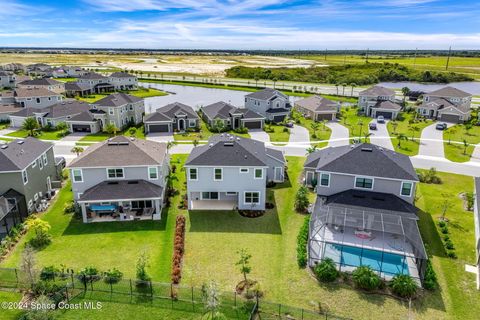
[(429, 177), (41, 237), (441, 224), (302, 240), (285, 129), (112, 276), (452, 254), (365, 278), (241, 130), (430, 279), (444, 230), (69, 207), (141, 269), (403, 286), (48, 273), (254, 291), (301, 199), (88, 274), (178, 249), (449, 245), (326, 271), (470, 199)]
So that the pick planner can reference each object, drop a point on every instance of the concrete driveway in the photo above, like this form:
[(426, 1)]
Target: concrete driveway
[(75, 136), (431, 142), (476, 154), (380, 137), (299, 135), (260, 135), (160, 136), (339, 135)]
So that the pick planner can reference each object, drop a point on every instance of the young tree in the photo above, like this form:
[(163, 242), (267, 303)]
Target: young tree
[(360, 127), (465, 146), (132, 131), (211, 301), (28, 265), (353, 85), (218, 126), (77, 150), (195, 142), (141, 267), (413, 129), (400, 137), (405, 92), (256, 78), (366, 135), (301, 199), (40, 227), (450, 132), (315, 126), (446, 204), (311, 149), (274, 82), (30, 125), (244, 263), (111, 129), (344, 85), (394, 125)]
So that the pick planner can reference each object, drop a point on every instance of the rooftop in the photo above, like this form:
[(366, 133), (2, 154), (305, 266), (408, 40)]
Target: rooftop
[(376, 91), (449, 92), (266, 94), (170, 111), (20, 153), (117, 100), (123, 189), (317, 103)]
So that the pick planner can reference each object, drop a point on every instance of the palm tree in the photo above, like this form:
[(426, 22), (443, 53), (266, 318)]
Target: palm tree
[(274, 81), (413, 129), (336, 86), (451, 132), (360, 124), (394, 125), (400, 137), (77, 150), (405, 91), (465, 146), (344, 86), (256, 78), (314, 127), (353, 85), (311, 149), (367, 134), (30, 125)]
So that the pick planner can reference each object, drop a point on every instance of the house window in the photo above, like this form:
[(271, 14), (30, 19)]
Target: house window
[(30, 205), (217, 176), (34, 164), (406, 189), (192, 123), (193, 174), (44, 159), (364, 183), (243, 170), (25, 176), (110, 111), (38, 101), (258, 173), (115, 173), (152, 173), (131, 108), (209, 195), (324, 179), (252, 197), (40, 164), (35, 197), (77, 175)]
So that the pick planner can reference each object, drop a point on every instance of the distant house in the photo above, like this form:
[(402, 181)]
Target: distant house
[(73, 89), (379, 101), (28, 167), (448, 104), (39, 70), (318, 108), (52, 115), (476, 214), (38, 98), (43, 83), (121, 179), (172, 117), (365, 214), (99, 83), (6, 110), (14, 67), (231, 172), (7, 79), (270, 103), (123, 81), (231, 116)]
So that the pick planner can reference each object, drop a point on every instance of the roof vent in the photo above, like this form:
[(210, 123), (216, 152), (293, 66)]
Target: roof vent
[(133, 182), (210, 145), (228, 144), (20, 141), (367, 149), (5, 146), (238, 138), (112, 182), (378, 199)]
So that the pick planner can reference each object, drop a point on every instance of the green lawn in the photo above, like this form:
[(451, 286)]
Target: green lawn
[(102, 136), (10, 296), (406, 124), (203, 134), (4, 125), (277, 132), (457, 152), (40, 134), (66, 79), (357, 124), (142, 92), (322, 133)]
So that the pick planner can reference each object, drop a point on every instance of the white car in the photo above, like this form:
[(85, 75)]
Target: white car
[(380, 119)]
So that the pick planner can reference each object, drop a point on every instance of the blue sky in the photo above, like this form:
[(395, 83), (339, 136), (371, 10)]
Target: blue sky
[(242, 24)]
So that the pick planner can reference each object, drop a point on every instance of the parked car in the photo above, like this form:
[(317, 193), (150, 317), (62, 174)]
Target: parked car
[(441, 126), (372, 126), (380, 119), (289, 124)]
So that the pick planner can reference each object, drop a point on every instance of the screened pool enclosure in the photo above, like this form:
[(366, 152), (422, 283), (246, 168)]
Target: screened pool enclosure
[(387, 241)]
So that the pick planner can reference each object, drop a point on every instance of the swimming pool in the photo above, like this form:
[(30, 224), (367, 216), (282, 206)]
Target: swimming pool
[(388, 263)]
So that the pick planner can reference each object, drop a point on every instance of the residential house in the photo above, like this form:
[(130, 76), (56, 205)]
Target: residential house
[(52, 115), (172, 117), (365, 211), (318, 108), (14, 67), (43, 83), (447, 104), (28, 167), (476, 215), (73, 71), (270, 103), (120, 109), (73, 89), (6, 110), (379, 101), (99, 83), (7, 79), (40, 70), (232, 117), (38, 98), (121, 179), (232, 173), (123, 81)]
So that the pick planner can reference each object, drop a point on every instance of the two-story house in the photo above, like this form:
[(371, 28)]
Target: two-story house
[(175, 116), (270, 103), (7, 79), (447, 104), (28, 168), (123, 81), (365, 210), (231, 116), (231, 173), (43, 83), (120, 109), (99, 83), (318, 108), (38, 98), (379, 101), (121, 179)]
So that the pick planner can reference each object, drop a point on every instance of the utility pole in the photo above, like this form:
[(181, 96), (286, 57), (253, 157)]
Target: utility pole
[(415, 58), (366, 56), (448, 58)]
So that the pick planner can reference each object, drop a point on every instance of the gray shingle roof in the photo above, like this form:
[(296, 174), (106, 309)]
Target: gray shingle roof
[(449, 92), (85, 116), (9, 108), (40, 82), (34, 92), (17, 155), (266, 94), (92, 76), (58, 110), (441, 103), (389, 105), (363, 159), (76, 86), (122, 75), (377, 91), (218, 110), (317, 103), (122, 151), (170, 110), (117, 100), (124, 189), (229, 150)]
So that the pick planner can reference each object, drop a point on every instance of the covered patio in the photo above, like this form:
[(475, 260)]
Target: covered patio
[(213, 200)]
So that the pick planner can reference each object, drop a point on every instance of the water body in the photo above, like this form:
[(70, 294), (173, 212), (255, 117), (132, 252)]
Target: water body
[(472, 87), (195, 97)]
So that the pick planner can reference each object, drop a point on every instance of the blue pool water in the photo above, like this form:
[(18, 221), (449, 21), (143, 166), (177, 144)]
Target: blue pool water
[(388, 263)]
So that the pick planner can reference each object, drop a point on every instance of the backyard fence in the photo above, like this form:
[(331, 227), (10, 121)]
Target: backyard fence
[(74, 288)]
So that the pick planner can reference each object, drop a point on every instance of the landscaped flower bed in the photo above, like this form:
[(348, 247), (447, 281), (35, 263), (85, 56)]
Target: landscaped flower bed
[(178, 249)]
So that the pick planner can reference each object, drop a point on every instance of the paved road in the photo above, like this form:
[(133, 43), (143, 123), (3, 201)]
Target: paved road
[(299, 134), (259, 135), (431, 144), (380, 136), (339, 135)]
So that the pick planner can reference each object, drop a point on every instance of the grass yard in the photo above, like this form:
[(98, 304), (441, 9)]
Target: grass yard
[(66, 79), (204, 134), (277, 132), (102, 136), (40, 134), (402, 125), (142, 92), (4, 125), (357, 124), (322, 133), (10, 296), (457, 152)]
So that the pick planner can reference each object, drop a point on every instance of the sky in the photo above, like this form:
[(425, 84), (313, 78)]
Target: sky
[(242, 24)]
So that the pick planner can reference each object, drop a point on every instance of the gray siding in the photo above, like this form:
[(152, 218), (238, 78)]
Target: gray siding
[(43, 101)]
